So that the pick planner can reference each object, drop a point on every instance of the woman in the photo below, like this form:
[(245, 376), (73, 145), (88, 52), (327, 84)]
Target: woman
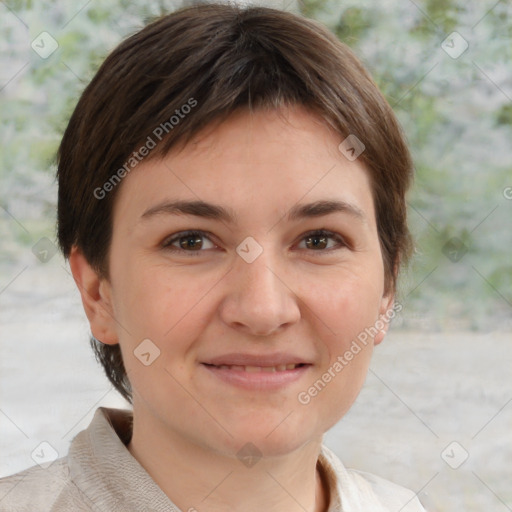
[(232, 204)]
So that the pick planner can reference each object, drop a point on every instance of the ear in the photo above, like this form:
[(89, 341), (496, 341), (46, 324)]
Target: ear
[(96, 298), (387, 309), (385, 315)]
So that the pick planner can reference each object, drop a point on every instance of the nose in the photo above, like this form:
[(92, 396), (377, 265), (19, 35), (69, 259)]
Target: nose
[(259, 298)]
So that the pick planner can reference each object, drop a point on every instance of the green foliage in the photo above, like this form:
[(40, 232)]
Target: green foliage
[(312, 7), (456, 114), (504, 115), (457, 117), (352, 25), (444, 15)]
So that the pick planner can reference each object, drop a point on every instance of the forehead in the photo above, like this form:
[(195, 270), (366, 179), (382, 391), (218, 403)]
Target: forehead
[(256, 164), (279, 138)]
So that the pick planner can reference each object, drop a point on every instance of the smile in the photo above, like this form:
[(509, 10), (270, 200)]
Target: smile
[(256, 378), (255, 369)]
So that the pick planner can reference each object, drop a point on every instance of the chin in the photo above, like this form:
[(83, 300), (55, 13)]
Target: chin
[(273, 438)]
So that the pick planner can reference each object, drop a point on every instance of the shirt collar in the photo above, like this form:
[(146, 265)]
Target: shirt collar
[(110, 478)]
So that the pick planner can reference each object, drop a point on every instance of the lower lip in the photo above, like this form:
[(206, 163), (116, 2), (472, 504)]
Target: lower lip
[(257, 380)]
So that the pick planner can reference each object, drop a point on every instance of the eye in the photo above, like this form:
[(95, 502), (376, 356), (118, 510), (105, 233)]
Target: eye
[(319, 240), (193, 242), (188, 241)]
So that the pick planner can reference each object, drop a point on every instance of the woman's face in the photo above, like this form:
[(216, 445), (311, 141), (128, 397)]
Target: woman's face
[(231, 310)]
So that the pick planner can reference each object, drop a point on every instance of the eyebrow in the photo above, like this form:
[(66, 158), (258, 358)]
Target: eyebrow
[(217, 212)]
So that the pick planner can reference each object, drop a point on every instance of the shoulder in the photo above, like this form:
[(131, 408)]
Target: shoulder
[(392, 496), (44, 486), (365, 490)]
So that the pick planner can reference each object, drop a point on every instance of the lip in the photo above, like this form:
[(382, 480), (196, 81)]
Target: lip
[(240, 359), (256, 380)]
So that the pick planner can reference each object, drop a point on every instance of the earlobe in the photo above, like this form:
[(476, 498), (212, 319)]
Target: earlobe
[(385, 315), (96, 298)]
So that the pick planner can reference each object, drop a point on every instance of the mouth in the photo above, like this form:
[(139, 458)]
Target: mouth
[(256, 369), (257, 377)]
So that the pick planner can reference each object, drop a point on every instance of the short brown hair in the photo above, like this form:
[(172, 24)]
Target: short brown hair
[(219, 58)]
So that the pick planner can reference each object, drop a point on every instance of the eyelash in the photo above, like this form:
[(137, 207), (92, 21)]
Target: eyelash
[(167, 244)]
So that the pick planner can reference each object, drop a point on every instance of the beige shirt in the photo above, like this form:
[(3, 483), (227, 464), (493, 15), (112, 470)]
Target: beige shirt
[(99, 474)]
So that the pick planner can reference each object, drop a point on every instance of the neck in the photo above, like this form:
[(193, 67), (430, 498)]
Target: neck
[(197, 478)]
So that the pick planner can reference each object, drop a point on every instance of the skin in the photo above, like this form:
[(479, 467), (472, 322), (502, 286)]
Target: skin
[(207, 301)]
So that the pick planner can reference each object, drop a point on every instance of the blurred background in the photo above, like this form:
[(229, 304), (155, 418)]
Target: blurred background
[(435, 414)]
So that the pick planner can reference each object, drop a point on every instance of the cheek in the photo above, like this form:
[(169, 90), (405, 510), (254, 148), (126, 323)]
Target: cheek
[(164, 305), (348, 353), (347, 378), (345, 304), (351, 317), (349, 308)]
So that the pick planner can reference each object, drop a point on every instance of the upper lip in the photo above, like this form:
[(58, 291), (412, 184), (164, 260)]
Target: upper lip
[(239, 359)]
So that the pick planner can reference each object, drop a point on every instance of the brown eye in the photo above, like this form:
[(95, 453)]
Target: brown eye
[(188, 241), (319, 241), (191, 242)]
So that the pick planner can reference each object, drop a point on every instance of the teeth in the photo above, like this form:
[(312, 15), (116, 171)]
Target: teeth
[(254, 369)]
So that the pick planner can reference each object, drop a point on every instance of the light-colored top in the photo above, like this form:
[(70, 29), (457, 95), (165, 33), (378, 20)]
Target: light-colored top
[(99, 474)]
